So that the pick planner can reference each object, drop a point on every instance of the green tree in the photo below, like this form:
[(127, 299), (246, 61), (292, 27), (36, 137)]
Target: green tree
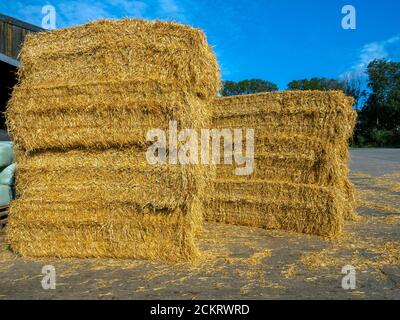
[(322, 84), (379, 118), (231, 88), (351, 86), (383, 104)]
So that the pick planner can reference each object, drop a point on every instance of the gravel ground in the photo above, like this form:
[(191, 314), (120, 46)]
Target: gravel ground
[(247, 263)]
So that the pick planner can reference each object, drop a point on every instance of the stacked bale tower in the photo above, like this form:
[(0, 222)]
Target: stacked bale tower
[(300, 180), (79, 115)]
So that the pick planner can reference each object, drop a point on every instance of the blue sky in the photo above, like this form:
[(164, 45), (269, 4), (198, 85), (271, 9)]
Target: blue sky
[(276, 40)]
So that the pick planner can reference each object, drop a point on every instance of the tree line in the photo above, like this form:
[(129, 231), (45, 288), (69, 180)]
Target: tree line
[(377, 106)]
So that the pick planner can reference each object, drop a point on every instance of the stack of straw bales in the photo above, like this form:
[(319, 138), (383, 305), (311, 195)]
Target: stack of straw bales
[(79, 116), (300, 180)]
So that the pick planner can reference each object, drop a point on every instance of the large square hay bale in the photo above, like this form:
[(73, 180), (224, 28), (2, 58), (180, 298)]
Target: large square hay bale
[(300, 180), (79, 115), (105, 83)]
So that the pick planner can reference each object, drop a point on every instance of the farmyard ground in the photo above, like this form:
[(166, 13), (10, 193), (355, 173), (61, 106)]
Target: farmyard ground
[(247, 263)]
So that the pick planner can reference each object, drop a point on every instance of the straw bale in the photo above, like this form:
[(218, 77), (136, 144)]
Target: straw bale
[(132, 49), (74, 229), (293, 158), (79, 115), (101, 128), (75, 184), (113, 174), (312, 113), (285, 216), (106, 83), (300, 180), (295, 207)]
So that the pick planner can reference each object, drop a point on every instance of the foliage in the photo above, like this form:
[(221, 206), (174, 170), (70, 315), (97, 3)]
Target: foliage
[(231, 88), (378, 107), (322, 84), (379, 118)]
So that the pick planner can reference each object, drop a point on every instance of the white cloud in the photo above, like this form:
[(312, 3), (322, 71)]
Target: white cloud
[(371, 51), (169, 6), (78, 12), (172, 10), (30, 13), (393, 39)]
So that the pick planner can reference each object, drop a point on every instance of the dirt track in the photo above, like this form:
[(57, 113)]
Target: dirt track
[(247, 263)]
